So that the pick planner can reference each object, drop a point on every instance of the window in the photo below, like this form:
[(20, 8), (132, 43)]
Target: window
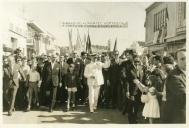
[(181, 13), (160, 19)]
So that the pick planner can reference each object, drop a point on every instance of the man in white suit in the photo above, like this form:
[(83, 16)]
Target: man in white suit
[(93, 73)]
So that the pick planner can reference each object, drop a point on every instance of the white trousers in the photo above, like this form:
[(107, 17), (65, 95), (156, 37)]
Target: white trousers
[(93, 97)]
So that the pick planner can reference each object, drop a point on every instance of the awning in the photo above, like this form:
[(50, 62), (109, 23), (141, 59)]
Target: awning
[(7, 49)]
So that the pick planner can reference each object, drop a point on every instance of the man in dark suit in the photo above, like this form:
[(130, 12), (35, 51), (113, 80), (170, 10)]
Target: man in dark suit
[(129, 72), (6, 82), (51, 79), (115, 81), (16, 75), (175, 107), (62, 92), (83, 88)]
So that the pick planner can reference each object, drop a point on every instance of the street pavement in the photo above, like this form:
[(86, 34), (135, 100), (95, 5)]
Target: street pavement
[(79, 116)]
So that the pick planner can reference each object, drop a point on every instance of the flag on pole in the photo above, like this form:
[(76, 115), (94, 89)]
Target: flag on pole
[(115, 46), (78, 43), (167, 14), (70, 40), (88, 45), (84, 42)]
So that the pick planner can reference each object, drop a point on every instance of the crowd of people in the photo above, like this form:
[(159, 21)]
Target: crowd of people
[(152, 86)]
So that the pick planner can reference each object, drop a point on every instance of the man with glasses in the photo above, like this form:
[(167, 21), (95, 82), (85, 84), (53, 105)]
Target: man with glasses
[(129, 72)]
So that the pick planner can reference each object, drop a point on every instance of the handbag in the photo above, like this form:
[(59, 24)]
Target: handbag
[(144, 98)]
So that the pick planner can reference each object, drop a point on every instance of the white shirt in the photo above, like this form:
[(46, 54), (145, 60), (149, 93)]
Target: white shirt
[(34, 76), (52, 64), (26, 69)]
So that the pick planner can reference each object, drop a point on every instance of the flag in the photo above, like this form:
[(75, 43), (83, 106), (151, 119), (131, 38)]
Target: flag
[(166, 14), (88, 45), (115, 46), (84, 42), (78, 47), (70, 40)]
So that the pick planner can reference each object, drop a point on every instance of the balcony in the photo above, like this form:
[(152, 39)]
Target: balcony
[(181, 30)]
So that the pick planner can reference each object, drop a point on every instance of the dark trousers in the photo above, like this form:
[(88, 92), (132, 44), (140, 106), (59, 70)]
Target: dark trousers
[(133, 107), (12, 92), (82, 91), (114, 93), (21, 97), (53, 92)]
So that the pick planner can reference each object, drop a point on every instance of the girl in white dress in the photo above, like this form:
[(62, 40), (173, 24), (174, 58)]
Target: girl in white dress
[(151, 108)]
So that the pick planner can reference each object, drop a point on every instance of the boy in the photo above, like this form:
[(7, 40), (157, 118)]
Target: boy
[(33, 82)]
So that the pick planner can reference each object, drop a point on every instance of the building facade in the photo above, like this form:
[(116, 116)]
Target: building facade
[(165, 27), (38, 40), (14, 34)]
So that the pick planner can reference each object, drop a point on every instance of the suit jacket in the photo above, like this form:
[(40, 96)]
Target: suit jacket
[(71, 80), (63, 71), (76, 62), (17, 74), (95, 69), (129, 73), (82, 68), (51, 74), (176, 96), (114, 69), (6, 77)]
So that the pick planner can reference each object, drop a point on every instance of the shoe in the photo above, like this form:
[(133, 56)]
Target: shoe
[(9, 113), (91, 111), (67, 109), (37, 104), (13, 110), (50, 110), (28, 109), (73, 105)]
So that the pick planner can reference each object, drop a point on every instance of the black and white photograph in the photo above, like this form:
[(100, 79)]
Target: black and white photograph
[(99, 62)]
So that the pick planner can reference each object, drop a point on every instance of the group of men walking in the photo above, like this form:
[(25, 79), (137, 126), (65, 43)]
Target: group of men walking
[(97, 80)]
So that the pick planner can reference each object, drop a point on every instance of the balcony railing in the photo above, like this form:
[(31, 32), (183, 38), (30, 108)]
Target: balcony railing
[(181, 30)]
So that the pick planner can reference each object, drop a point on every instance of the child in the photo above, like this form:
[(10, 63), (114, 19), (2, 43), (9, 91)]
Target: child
[(151, 108), (71, 85), (33, 82)]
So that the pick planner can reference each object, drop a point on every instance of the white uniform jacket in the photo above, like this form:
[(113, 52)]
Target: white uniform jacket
[(95, 69)]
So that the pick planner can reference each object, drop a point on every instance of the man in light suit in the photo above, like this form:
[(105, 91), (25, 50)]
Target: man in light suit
[(93, 73), (175, 107), (16, 75)]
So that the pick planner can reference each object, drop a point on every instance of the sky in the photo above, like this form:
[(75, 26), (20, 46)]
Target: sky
[(50, 15)]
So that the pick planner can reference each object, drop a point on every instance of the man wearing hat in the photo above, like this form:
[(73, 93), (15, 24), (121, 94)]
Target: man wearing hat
[(93, 73)]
